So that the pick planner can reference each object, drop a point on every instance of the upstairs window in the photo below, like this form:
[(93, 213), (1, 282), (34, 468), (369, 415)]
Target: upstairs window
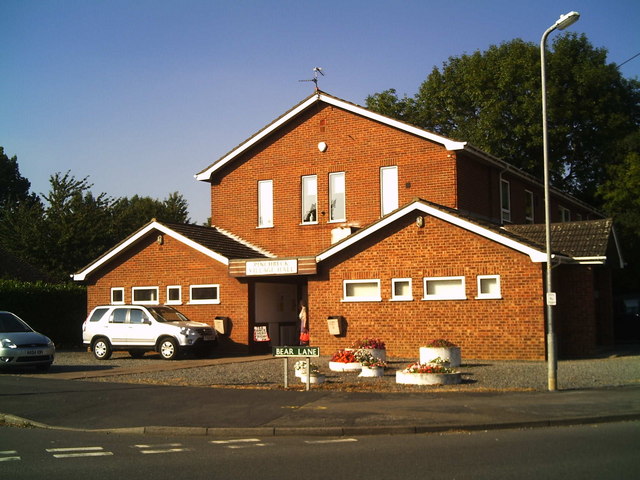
[(489, 286), (401, 289), (310, 199), (505, 201), (528, 207), (265, 203), (565, 214), (388, 189), (337, 204)]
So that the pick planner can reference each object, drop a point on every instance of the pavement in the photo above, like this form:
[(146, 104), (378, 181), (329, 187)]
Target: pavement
[(65, 401)]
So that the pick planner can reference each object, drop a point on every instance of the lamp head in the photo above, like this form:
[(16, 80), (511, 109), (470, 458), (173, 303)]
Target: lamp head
[(567, 19)]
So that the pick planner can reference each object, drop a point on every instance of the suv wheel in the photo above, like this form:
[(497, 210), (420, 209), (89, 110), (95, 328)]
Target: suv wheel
[(169, 348), (102, 349)]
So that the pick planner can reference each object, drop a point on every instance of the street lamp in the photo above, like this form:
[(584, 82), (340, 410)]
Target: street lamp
[(563, 22)]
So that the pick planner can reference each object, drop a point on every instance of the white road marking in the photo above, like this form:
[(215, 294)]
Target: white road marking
[(161, 448), (236, 440), (240, 443), (75, 452), (8, 458)]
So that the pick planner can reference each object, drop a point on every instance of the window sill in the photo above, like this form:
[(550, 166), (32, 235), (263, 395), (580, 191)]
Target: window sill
[(356, 300), (443, 298)]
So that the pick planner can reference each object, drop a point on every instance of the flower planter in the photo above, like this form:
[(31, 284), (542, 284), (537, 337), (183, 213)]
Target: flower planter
[(450, 354), (379, 353), (371, 371), (345, 367), (428, 378)]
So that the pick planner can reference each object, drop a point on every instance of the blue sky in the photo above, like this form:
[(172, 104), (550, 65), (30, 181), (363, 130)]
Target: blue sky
[(139, 95)]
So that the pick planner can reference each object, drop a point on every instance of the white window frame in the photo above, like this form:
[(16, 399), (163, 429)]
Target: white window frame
[(309, 199), (505, 207), (460, 294), (352, 298), (117, 289), (484, 296), (565, 214), (389, 190), (265, 203), (174, 302), (529, 204), (401, 298), (206, 301), (337, 187), (155, 301)]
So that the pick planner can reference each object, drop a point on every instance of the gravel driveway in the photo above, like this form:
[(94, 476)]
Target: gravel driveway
[(615, 368)]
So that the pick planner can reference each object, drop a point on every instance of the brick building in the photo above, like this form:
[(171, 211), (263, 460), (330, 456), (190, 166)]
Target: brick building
[(402, 234)]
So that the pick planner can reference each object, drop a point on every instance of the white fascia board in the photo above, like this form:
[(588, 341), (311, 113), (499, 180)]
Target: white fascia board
[(536, 256), (81, 276), (447, 143)]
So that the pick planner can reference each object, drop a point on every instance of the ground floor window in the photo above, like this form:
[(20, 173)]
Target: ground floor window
[(174, 295), (401, 289), (117, 296), (444, 288), (145, 295), (204, 294), (489, 286), (361, 291)]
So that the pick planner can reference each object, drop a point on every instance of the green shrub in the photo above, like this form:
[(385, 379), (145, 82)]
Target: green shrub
[(56, 310)]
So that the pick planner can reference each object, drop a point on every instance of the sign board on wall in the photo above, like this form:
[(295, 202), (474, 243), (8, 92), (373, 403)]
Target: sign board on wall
[(271, 267)]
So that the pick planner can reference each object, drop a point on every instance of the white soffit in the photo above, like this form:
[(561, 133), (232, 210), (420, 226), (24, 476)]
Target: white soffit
[(447, 143), (80, 276), (535, 255)]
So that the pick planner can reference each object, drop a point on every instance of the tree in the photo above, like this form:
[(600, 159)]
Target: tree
[(492, 99), (14, 188)]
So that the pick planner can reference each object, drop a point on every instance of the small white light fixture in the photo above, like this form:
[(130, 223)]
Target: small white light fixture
[(420, 221), (322, 146), (159, 239)]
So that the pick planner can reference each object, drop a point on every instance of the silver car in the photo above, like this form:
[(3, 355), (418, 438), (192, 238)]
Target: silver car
[(22, 346)]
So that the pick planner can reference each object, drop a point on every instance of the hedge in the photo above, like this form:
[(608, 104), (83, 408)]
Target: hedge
[(55, 310)]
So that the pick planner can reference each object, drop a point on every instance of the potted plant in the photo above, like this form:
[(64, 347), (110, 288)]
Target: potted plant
[(315, 376), (371, 366), (344, 360), (442, 349), (428, 374), (374, 346)]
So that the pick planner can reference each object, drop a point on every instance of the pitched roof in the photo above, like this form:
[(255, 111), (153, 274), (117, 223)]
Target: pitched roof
[(211, 241), (322, 97), (585, 241)]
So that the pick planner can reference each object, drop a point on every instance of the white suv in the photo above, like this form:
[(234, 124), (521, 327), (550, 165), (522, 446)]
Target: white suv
[(137, 329)]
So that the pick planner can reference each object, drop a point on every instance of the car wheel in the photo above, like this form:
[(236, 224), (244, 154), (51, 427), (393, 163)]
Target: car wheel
[(169, 348), (136, 353), (102, 349)]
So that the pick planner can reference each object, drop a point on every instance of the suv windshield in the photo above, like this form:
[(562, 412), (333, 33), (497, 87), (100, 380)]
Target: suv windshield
[(166, 314), (9, 323)]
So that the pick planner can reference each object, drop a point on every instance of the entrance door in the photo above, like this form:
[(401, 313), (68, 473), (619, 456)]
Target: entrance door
[(276, 306)]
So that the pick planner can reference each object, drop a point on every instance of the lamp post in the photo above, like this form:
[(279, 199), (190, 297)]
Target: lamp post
[(550, 298)]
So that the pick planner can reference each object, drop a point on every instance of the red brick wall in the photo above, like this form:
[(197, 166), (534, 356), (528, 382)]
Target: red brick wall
[(356, 146), (149, 264), (509, 328)]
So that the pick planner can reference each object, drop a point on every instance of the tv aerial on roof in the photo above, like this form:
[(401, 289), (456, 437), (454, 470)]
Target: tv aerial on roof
[(316, 71)]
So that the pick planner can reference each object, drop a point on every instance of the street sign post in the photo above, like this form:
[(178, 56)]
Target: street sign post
[(295, 351)]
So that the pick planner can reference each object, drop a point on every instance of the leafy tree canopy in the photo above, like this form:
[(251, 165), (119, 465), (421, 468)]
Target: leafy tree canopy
[(492, 100), (73, 226)]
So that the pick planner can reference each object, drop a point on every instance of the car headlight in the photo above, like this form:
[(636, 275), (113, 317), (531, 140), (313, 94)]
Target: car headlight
[(7, 343), (187, 332)]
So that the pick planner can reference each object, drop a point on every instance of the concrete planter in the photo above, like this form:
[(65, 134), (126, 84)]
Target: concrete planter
[(345, 367), (450, 354), (379, 353), (317, 378), (428, 378), (371, 372)]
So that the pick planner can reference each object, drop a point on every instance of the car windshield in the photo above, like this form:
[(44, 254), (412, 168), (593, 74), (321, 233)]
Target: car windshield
[(9, 323), (166, 314)]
